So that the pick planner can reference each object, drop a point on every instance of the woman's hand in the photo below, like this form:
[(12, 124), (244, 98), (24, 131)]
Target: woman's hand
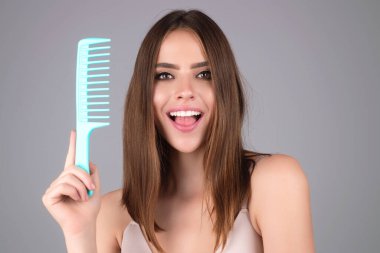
[(67, 200)]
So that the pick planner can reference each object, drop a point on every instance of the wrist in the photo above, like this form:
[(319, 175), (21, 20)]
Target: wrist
[(83, 241)]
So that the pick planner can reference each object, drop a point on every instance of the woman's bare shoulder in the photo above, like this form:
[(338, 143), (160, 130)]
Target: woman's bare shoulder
[(112, 205), (280, 203), (276, 166), (113, 218)]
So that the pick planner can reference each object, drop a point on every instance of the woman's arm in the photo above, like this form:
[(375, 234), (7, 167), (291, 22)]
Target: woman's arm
[(83, 242), (67, 201), (280, 205)]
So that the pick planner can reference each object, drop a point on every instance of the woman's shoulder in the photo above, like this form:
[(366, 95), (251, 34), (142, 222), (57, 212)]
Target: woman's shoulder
[(277, 182), (112, 204), (276, 166), (113, 218)]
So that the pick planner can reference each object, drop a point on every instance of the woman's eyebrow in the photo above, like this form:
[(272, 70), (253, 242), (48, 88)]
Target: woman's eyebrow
[(199, 64), (167, 65), (173, 66)]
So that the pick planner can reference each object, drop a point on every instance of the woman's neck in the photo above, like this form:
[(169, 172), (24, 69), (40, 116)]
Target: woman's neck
[(188, 174)]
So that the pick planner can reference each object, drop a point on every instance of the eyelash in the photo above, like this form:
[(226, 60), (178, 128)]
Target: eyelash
[(206, 72), (159, 76), (165, 75)]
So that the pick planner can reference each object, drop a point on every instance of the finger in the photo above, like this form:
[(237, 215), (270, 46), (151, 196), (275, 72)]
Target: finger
[(95, 178), (85, 178), (56, 194), (74, 182), (70, 158)]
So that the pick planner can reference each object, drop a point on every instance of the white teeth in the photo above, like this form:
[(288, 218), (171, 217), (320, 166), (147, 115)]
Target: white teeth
[(185, 113)]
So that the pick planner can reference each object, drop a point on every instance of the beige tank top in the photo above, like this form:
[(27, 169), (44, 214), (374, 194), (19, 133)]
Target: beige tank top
[(242, 238)]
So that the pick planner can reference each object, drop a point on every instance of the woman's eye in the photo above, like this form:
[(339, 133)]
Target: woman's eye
[(163, 76), (205, 75)]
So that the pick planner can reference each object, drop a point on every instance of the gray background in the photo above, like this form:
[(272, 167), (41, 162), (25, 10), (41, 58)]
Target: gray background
[(312, 81)]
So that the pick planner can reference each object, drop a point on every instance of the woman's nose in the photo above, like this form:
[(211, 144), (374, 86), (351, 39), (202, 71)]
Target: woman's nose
[(185, 89)]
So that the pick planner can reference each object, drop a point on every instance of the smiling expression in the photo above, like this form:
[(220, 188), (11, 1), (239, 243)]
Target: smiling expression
[(183, 96)]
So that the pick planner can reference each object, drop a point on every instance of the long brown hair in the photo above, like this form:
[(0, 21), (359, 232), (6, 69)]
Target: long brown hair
[(145, 153)]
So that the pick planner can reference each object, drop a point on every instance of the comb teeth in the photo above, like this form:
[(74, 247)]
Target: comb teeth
[(97, 62), (92, 81), (99, 48), (100, 68)]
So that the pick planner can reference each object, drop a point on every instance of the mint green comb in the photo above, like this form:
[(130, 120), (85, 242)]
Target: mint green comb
[(91, 94)]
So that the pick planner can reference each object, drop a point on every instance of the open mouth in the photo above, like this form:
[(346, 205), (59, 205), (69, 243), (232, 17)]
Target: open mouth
[(185, 118)]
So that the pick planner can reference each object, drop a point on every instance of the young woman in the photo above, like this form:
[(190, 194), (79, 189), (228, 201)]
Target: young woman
[(189, 186)]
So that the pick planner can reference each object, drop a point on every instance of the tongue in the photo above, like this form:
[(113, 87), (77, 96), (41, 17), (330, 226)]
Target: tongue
[(185, 121)]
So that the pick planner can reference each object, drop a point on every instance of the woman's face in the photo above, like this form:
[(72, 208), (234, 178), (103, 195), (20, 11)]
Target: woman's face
[(183, 96)]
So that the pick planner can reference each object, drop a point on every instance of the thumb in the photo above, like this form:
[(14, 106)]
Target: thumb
[(95, 177)]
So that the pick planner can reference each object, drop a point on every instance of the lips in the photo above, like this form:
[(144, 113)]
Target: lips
[(185, 120)]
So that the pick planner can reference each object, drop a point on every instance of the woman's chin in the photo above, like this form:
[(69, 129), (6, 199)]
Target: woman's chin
[(186, 148)]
